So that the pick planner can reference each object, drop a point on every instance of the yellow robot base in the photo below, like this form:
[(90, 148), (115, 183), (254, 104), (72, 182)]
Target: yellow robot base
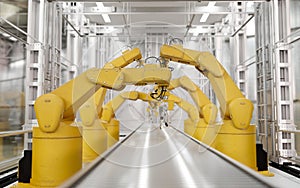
[(113, 129), (201, 131), (94, 141), (98, 138), (55, 156), (237, 144)]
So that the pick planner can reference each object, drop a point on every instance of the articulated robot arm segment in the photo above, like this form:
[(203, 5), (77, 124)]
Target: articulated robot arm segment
[(146, 97), (92, 108), (186, 106), (69, 97), (113, 105), (125, 59), (233, 104), (79, 89), (208, 111)]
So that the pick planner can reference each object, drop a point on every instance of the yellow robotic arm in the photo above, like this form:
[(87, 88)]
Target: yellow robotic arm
[(113, 105), (97, 136), (192, 111), (92, 108), (234, 106), (235, 137), (207, 110), (66, 99), (55, 113)]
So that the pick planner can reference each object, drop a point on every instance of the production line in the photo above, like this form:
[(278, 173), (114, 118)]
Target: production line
[(153, 157), (149, 93), (99, 129)]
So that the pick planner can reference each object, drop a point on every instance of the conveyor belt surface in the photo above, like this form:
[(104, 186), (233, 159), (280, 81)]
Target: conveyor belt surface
[(153, 157)]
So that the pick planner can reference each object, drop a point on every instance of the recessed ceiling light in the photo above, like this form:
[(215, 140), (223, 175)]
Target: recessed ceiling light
[(13, 39), (5, 35), (105, 17), (205, 15)]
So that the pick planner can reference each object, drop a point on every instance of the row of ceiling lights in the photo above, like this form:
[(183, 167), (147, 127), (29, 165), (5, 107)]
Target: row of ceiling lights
[(203, 18), (8, 36)]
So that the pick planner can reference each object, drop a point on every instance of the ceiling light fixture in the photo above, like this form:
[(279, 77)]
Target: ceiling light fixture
[(205, 15), (6, 35), (13, 39), (105, 17)]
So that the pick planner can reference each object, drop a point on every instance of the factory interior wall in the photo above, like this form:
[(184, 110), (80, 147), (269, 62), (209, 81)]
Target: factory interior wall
[(295, 57), (12, 109)]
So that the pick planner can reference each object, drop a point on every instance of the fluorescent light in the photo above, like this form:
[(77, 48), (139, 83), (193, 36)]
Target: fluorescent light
[(195, 34), (205, 15), (5, 35), (199, 29), (105, 17), (211, 4), (13, 39), (100, 4)]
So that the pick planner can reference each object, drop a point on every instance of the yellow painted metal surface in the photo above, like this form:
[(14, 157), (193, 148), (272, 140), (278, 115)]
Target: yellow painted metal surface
[(209, 112), (237, 144), (92, 108), (49, 110), (238, 108), (75, 92), (57, 146), (55, 142), (55, 156), (109, 78), (201, 131), (93, 133), (186, 106), (222, 84), (94, 141), (115, 103), (95, 136), (113, 130), (170, 105), (266, 173), (149, 74), (125, 59), (206, 108), (78, 90), (236, 137)]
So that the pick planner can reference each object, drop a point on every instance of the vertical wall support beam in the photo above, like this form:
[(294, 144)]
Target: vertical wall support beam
[(283, 79), (264, 78), (74, 41), (42, 57), (239, 47), (92, 51), (34, 66), (274, 81), (217, 45), (74, 53)]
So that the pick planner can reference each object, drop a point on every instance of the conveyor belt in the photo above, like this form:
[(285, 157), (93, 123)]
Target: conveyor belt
[(153, 157)]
